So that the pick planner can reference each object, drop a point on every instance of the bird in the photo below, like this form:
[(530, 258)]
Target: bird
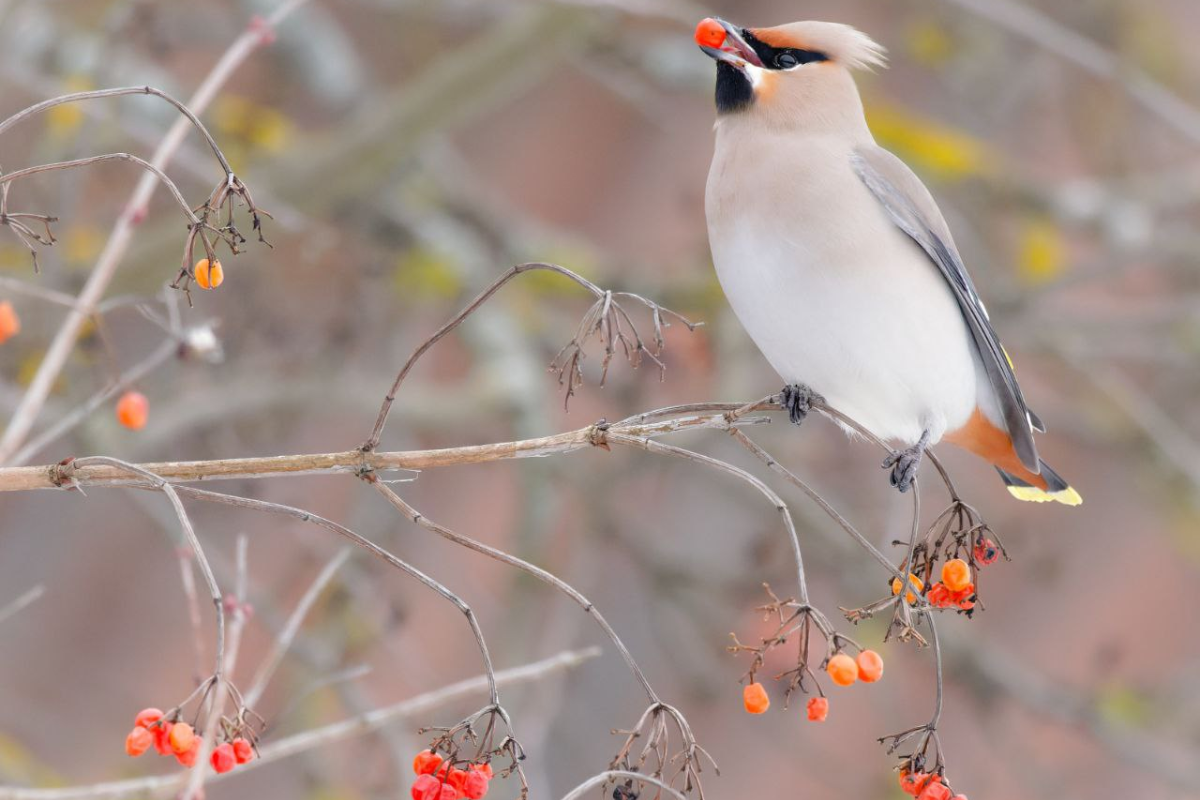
[(841, 267)]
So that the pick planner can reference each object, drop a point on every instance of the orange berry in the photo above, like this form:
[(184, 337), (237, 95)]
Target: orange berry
[(870, 666), (10, 323), (188, 757), (223, 758), (710, 33), (956, 574), (243, 751), (842, 669), (208, 277), (181, 737), (133, 410), (147, 717), (486, 769), (917, 582), (426, 762), (138, 741), (818, 709), (754, 697)]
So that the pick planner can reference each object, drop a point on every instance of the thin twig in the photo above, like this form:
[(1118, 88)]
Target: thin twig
[(284, 640), (537, 572), (607, 777), (21, 603)]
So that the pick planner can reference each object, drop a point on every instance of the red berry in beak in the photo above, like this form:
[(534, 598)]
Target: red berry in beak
[(710, 33)]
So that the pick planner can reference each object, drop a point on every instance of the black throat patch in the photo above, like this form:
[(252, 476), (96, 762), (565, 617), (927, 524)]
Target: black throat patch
[(735, 92)]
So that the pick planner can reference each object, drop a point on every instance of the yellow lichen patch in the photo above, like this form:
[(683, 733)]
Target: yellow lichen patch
[(65, 119), (1042, 253), (928, 146)]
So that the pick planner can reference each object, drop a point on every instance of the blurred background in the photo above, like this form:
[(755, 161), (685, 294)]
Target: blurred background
[(410, 152)]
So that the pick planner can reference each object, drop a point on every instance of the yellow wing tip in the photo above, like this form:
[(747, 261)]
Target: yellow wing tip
[(1032, 494)]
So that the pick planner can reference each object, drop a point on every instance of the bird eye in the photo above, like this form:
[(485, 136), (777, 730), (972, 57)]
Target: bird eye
[(786, 61)]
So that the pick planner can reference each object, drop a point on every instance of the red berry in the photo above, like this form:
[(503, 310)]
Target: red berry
[(147, 717), (426, 787), (243, 751), (138, 741), (939, 596), (486, 769), (934, 790), (914, 783), (818, 709), (189, 756), (426, 762), (456, 778), (986, 551), (162, 738), (710, 33), (476, 785), (223, 758), (449, 793)]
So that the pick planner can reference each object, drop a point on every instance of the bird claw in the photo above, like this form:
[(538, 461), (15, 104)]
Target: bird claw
[(905, 463), (798, 399)]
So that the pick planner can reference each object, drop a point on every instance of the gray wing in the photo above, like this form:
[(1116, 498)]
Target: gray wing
[(912, 208)]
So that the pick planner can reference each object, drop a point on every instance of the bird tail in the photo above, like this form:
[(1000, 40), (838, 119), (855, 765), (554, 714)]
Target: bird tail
[(1044, 487)]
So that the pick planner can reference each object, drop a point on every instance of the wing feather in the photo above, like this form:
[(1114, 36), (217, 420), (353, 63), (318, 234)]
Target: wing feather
[(912, 209)]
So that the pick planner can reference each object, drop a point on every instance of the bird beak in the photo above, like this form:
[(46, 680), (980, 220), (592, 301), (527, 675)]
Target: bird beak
[(733, 50)]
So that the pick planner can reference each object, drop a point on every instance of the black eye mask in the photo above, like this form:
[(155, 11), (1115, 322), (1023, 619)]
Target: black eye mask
[(781, 57)]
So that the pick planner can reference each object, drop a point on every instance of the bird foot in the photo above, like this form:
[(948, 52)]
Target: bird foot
[(905, 463), (797, 399)]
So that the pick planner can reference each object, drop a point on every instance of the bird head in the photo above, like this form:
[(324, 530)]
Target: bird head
[(777, 71)]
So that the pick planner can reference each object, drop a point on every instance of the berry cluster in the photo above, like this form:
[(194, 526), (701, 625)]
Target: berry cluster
[(955, 590), (438, 779), (799, 620), (842, 670), (925, 786), (171, 737), (10, 323)]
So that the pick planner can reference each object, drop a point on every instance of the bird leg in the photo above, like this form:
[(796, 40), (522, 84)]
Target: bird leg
[(797, 399), (904, 463)]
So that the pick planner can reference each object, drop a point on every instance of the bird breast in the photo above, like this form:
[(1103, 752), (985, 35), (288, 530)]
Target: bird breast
[(832, 293)]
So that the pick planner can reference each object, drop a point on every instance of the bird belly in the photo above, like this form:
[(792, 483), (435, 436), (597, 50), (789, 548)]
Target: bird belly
[(870, 325)]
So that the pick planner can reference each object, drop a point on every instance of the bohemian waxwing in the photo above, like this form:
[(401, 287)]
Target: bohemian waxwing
[(840, 266)]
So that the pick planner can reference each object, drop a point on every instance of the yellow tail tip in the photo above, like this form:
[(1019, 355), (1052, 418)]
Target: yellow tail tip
[(1032, 494)]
